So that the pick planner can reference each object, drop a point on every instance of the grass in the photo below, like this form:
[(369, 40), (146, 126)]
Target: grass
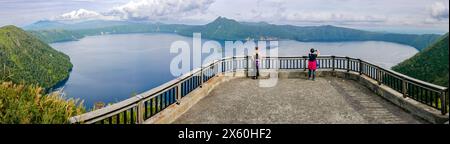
[(22, 104)]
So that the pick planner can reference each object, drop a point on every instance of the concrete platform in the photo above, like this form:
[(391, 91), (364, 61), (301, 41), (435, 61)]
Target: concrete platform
[(328, 100)]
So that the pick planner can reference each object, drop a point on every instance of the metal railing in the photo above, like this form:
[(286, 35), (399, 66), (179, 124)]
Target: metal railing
[(143, 106)]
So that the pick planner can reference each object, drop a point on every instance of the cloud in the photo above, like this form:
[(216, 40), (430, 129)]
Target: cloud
[(144, 10), (439, 11), (331, 17), (82, 14), (160, 9), (282, 11)]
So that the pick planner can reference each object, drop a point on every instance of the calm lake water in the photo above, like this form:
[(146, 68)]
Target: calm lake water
[(112, 68)]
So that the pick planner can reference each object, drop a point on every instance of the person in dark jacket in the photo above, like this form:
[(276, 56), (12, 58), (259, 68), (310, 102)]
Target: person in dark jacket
[(257, 62)]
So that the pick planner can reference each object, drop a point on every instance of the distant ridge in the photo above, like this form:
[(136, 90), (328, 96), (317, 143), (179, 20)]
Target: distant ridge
[(228, 29)]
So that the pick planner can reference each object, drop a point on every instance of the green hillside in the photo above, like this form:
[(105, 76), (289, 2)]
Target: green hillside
[(430, 65), (24, 59)]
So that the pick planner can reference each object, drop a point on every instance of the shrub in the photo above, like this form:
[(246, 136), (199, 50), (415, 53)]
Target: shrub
[(21, 104)]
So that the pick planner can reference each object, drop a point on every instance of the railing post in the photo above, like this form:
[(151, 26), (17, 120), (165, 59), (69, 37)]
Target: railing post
[(246, 66), (348, 64), (233, 62), (379, 77), (443, 102), (140, 108), (213, 69), (404, 88), (360, 67), (178, 93), (279, 63), (223, 66), (201, 76), (332, 62), (304, 63), (216, 66)]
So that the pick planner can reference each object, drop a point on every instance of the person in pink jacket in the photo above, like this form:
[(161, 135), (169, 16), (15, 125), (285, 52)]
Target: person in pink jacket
[(312, 63)]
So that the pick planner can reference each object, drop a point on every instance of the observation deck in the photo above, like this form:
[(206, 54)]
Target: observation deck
[(346, 90)]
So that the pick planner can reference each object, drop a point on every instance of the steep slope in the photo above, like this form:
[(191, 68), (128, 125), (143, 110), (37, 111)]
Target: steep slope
[(430, 65), (25, 59)]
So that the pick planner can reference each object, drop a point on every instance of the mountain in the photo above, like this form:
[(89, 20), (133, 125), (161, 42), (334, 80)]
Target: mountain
[(229, 29), (83, 25), (24, 59), (93, 24), (45, 25), (51, 32), (56, 35), (429, 65)]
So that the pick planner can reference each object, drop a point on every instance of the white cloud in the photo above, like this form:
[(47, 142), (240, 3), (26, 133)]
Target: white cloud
[(439, 11), (301, 13), (160, 9), (82, 14), (331, 17), (157, 10)]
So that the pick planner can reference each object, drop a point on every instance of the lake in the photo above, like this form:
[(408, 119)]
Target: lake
[(111, 68)]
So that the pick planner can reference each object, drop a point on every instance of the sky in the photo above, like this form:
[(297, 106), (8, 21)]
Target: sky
[(403, 16)]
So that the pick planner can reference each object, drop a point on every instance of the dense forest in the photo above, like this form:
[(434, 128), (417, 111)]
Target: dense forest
[(28, 67), (24, 59), (228, 29), (430, 65)]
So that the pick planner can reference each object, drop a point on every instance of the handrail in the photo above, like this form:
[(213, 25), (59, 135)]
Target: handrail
[(146, 104)]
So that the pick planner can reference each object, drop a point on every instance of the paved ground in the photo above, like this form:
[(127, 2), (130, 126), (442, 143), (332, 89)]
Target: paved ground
[(324, 101)]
